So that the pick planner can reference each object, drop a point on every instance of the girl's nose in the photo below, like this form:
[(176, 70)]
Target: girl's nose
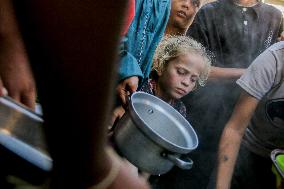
[(186, 4), (186, 81)]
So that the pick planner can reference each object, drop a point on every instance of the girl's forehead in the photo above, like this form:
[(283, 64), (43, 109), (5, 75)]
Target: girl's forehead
[(191, 61), (189, 58)]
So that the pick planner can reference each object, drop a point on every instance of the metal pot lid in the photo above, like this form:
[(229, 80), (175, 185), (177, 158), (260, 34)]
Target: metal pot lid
[(162, 123)]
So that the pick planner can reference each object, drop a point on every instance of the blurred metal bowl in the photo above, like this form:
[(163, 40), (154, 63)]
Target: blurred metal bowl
[(21, 133)]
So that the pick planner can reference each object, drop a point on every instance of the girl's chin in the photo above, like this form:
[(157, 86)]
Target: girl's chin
[(177, 96), (172, 96)]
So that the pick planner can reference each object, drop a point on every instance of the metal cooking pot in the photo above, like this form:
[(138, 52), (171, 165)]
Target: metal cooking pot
[(152, 135), (21, 134), (275, 157)]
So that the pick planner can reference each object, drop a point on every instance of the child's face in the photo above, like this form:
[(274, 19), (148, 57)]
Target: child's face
[(180, 76), (182, 13)]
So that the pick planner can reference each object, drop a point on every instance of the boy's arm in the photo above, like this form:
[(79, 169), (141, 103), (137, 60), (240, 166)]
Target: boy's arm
[(231, 139), (63, 50), (218, 73)]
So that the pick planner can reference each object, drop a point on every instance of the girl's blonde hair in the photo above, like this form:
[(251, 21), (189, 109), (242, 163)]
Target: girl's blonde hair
[(173, 46)]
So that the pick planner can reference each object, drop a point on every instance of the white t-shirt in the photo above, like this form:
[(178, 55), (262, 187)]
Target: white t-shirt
[(264, 80)]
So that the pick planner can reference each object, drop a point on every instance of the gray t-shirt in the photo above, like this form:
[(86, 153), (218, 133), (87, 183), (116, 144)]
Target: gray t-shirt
[(264, 80)]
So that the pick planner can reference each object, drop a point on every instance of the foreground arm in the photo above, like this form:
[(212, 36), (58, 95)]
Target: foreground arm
[(73, 53), (231, 139), (15, 70)]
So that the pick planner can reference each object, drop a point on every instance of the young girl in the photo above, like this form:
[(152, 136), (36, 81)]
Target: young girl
[(180, 65)]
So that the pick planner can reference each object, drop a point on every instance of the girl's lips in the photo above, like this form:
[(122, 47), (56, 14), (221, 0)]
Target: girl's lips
[(180, 91)]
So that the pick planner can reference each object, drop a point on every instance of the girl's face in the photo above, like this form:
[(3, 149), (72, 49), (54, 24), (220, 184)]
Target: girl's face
[(180, 76)]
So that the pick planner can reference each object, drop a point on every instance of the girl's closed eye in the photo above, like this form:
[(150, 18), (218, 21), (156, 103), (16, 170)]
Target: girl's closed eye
[(181, 71)]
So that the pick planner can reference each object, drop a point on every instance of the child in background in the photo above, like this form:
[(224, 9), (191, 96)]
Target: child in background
[(180, 65)]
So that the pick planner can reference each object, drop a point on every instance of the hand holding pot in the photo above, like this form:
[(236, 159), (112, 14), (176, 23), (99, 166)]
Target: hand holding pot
[(129, 181), (116, 115), (120, 175), (127, 87)]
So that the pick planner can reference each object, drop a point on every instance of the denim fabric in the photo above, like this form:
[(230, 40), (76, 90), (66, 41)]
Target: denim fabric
[(144, 34)]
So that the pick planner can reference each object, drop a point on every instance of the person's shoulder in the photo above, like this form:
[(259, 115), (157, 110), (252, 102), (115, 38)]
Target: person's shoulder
[(209, 10), (270, 9), (157, 5), (277, 47), (272, 54), (161, 4), (277, 51), (271, 58), (212, 6)]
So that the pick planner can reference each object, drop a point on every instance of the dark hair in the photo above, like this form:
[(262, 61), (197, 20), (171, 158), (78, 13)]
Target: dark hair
[(154, 75)]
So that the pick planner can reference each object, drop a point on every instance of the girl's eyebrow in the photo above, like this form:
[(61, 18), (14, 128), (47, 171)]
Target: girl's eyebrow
[(184, 70), (188, 71)]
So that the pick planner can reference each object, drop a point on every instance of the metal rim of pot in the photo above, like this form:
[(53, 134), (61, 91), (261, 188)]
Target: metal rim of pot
[(153, 135), (273, 156)]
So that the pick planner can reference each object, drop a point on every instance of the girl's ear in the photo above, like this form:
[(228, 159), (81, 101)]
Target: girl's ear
[(158, 70)]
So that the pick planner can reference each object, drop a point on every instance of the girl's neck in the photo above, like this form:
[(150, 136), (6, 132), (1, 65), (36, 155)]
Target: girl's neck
[(172, 30)]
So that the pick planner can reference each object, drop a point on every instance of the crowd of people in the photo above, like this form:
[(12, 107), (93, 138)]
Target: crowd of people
[(221, 65)]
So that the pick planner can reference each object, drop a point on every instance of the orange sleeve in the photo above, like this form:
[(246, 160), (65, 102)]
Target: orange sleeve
[(129, 16)]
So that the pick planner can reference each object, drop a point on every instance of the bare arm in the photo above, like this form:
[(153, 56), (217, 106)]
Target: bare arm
[(72, 46), (218, 73), (15, 70), (231, 139)]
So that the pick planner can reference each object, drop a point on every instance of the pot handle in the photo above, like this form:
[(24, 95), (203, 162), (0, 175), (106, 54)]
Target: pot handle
[(128, 101), (178, 162)]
